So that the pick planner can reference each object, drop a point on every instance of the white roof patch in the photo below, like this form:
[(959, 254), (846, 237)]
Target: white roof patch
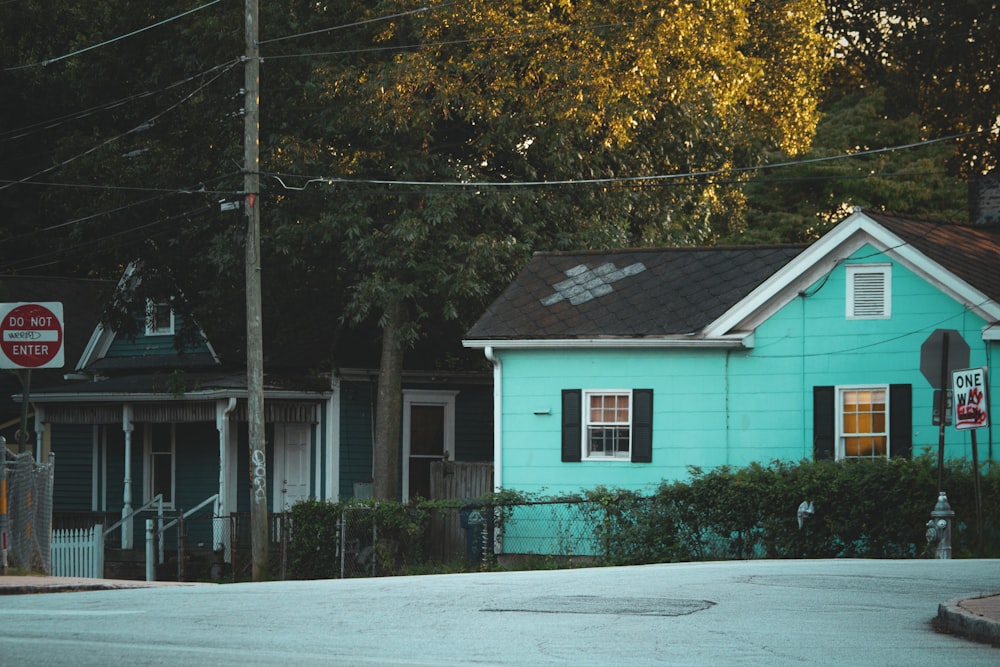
[(584, 283)]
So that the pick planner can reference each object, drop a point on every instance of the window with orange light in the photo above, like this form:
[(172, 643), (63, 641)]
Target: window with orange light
[(863, 423)]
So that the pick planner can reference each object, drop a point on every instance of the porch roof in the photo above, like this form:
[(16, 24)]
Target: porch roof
[(180, 386)]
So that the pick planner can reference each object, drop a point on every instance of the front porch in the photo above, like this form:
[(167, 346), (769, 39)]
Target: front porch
[(185, 551)]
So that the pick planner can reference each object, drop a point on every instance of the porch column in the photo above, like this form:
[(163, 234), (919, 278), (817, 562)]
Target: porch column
[(221, 538), (127, 427), (43, 442)]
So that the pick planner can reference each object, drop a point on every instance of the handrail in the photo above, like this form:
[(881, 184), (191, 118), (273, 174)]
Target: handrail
[(210, 499), (158, 498)]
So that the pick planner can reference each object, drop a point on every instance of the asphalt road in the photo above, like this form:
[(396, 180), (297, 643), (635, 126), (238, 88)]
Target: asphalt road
[(767, 613)]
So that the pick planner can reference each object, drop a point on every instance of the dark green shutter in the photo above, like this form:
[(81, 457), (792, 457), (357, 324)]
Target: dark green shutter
[(824, 428), (642, 425), (572, 425), (901, 421)]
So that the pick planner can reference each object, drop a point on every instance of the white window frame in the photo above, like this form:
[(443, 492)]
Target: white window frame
[(841, 436), (148, 473), (861, 309), (586, 424), (152, 307)]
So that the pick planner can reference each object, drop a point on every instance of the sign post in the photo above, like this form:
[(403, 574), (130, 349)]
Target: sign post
[(972, 412), (942, 352), (31, 336)]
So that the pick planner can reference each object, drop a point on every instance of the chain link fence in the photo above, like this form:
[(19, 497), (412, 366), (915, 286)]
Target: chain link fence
[(371, 539), (28, 512)]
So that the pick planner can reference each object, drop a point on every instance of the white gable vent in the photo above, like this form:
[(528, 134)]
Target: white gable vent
[(868, 292)]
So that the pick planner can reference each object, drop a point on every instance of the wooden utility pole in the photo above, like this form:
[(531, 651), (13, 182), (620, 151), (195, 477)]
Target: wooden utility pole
[(255, 353)]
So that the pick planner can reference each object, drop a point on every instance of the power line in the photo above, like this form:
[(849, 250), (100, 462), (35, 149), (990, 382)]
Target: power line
[(334, 180), (62, 252), (198, 189), (111, 140), (354, 25), (110, 41), (477, 40), (26, 130)]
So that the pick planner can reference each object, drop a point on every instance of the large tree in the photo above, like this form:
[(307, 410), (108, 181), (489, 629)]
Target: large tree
[(457, 138), (414, 154), (939, 59)]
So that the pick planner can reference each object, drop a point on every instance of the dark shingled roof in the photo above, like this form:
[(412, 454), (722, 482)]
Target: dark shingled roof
[(627, 293), (971, 252)]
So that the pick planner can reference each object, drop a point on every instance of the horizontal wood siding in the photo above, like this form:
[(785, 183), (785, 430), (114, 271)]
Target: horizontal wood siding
[(474, 423), (357, 406), (733, 407), (197, 476), (143, 345), (73, 446)]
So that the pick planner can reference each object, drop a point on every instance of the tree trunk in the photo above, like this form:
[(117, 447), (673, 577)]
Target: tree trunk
[(388, 410)]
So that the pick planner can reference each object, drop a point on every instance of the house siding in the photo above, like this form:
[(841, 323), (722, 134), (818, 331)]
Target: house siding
[(73, 447), (717, 407), (473, 427), (357, 405)]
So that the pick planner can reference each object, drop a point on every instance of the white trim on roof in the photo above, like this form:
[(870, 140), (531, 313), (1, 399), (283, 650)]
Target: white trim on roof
[(726, 342), (823, 256)]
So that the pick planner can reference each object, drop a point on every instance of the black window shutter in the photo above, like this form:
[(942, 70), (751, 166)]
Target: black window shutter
[(572, 425), (901, 421), (824, 429), (642, 426)]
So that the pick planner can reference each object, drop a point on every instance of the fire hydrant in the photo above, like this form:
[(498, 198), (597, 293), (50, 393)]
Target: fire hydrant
[(939, 527)]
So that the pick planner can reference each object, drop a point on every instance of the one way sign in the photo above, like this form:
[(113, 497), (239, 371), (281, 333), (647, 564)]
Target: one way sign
[(971, 406)]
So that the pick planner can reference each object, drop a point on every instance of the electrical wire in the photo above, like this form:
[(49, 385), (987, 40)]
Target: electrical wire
[(477, 40), (355, 24), (45, 125), (49, 61), (334, 180), (21, 264), (200, 188), (111, 140)]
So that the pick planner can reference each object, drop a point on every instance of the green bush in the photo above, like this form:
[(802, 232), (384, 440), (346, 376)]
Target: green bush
[(870, 509), (864, 509), (402, 534)]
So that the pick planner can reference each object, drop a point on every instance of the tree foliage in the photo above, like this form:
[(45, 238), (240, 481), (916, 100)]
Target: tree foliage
[(445, 128), (937, 58), (543, 118)]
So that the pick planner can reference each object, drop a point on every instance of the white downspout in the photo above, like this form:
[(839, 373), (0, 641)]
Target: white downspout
[(127, 427), (497, 418), (220, 537)]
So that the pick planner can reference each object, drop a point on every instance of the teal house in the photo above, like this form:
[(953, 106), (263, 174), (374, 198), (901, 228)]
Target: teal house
[(623, 368)]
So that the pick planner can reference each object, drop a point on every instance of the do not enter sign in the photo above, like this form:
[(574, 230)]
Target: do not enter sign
[(31, 335)]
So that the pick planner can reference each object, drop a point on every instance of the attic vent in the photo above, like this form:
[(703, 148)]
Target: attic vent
[(584, 283), (868, 292)]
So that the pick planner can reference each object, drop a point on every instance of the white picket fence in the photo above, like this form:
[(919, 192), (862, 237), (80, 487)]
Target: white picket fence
[(78, 552)]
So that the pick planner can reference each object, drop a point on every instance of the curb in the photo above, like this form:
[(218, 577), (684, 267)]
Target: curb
[(952, 617)]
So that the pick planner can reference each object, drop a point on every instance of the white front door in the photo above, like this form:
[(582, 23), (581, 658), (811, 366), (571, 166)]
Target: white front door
[(292, 464)]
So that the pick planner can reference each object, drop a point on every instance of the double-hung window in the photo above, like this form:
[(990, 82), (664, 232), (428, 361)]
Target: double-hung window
[(863, 422), (607, 425)]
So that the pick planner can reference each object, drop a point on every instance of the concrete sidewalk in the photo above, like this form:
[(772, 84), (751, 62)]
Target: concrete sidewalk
[(23, 585), (975, 618)]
